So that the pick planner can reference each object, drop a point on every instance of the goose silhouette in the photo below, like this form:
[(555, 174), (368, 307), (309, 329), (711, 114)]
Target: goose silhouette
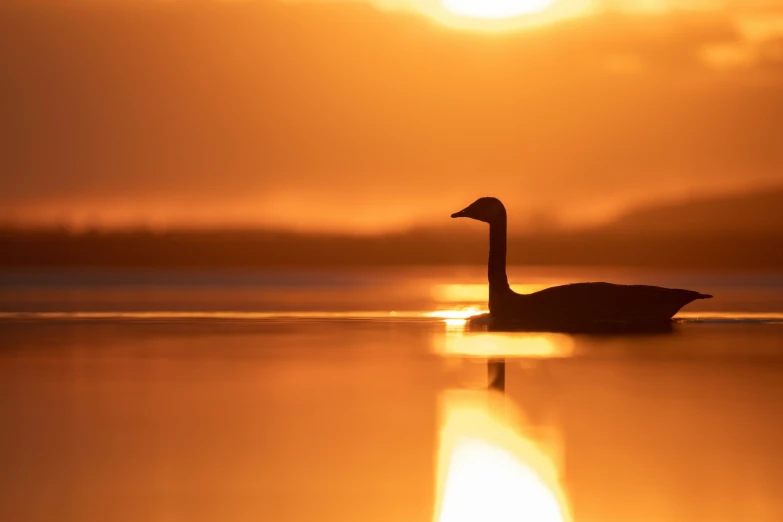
[(572, 306)]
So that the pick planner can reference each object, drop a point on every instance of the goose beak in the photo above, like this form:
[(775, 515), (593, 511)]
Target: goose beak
[(461, 213)]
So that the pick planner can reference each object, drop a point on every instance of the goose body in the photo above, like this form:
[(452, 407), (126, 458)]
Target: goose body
[(568, 305)]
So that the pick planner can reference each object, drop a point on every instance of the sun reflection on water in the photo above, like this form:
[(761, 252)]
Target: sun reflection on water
[(484, 344), (489, 471), (508, 345), (462, 313)]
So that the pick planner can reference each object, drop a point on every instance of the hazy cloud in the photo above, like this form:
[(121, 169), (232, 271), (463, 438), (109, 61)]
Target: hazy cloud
[(343, 116)]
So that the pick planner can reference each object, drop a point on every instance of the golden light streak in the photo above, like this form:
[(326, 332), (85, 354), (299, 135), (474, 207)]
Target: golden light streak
[(478, 292), (488, 471), (446, 315), (518, 344), (731, 316), (463, 313)]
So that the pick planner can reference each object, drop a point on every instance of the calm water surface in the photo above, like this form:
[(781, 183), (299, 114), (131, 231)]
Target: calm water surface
[(293, 396)]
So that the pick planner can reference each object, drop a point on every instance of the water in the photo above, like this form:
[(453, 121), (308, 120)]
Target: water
[(293, 396)]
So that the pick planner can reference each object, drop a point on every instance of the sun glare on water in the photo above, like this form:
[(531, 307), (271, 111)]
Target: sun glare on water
[(495, 9), (487, 471)]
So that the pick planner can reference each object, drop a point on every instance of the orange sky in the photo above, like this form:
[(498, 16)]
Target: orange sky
[(344, 116)]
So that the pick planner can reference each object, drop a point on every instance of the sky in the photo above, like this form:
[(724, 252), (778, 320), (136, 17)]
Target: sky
[(367, 117)]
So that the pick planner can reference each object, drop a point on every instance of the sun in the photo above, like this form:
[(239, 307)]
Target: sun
[(496, 9), (497, 16)]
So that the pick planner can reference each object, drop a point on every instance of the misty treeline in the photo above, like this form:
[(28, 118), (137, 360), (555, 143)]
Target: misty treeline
[(42, 248)]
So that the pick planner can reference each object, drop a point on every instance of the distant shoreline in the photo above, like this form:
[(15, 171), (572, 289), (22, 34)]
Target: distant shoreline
[(255, 249)]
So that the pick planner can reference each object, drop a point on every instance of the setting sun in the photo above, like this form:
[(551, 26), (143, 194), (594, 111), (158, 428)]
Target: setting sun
[(493, 9)]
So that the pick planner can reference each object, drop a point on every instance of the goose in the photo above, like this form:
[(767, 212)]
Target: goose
[(572, 305)]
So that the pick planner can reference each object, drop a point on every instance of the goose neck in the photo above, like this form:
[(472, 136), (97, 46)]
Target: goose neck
[(498, 281)]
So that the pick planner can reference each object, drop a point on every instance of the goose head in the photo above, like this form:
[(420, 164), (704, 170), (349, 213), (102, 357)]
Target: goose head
[(487, 210)]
